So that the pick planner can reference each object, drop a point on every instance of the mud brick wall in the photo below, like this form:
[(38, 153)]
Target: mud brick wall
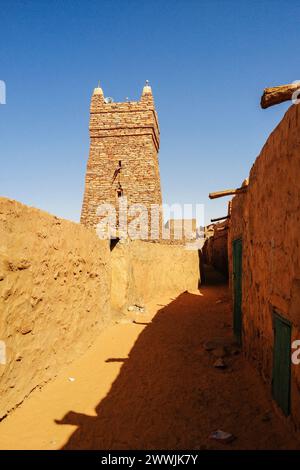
[(236, 225), (268, 219), (215, 248), (127, 133), (54, 296), (144, 271), (219, 252)]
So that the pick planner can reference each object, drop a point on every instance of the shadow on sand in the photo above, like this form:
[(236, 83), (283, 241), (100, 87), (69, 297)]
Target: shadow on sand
[(169, 395), (154, 402)]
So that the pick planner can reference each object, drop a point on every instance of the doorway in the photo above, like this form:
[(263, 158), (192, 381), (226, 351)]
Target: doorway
[(281, 380)]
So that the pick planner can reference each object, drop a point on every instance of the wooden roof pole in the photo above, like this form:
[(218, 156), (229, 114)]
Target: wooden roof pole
[(278, 94), (221, 229), (220, 218), (227, 192)]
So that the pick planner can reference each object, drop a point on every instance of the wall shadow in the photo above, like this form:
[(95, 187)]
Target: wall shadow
[(212, 277), (216, 255), (154, 401)]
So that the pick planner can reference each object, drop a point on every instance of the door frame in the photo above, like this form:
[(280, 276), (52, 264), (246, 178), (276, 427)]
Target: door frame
[(277, 315)]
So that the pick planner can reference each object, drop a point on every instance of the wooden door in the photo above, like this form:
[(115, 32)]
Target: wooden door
[(281, 383)]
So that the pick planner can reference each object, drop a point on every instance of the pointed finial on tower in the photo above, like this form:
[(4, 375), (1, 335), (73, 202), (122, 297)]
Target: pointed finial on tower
[(147, 88), (98, 90)]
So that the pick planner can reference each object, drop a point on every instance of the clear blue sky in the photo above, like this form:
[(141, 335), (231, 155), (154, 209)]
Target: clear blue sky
[(207, 61)]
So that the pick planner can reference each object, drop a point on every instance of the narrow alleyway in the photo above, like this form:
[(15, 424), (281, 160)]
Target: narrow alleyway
[(151, 384)]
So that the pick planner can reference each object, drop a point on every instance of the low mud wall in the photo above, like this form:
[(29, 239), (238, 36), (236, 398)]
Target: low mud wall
[(143, 271), (60, 286), (54, 296)]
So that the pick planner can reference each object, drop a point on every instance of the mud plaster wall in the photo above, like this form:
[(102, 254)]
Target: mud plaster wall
[(215, 249), (271, 255), (142, 271), (236, 227), (60, 285), (54, 296)]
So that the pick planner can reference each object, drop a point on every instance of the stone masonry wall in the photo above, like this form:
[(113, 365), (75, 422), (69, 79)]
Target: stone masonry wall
[(124, 139)]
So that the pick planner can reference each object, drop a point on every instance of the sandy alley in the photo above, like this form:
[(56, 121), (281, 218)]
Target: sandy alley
[(150, 384)]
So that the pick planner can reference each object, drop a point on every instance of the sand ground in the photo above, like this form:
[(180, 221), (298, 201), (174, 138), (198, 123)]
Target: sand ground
[(150, 384)]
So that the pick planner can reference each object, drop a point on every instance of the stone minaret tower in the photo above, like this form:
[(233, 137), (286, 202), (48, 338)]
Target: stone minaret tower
[(123, 159)]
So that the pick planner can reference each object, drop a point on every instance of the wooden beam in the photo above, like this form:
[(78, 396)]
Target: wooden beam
[(220, 218), (227, 192), (221, 229), (278, 94)]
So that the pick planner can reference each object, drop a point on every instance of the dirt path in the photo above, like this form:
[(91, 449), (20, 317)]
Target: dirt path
[(151, 384)]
